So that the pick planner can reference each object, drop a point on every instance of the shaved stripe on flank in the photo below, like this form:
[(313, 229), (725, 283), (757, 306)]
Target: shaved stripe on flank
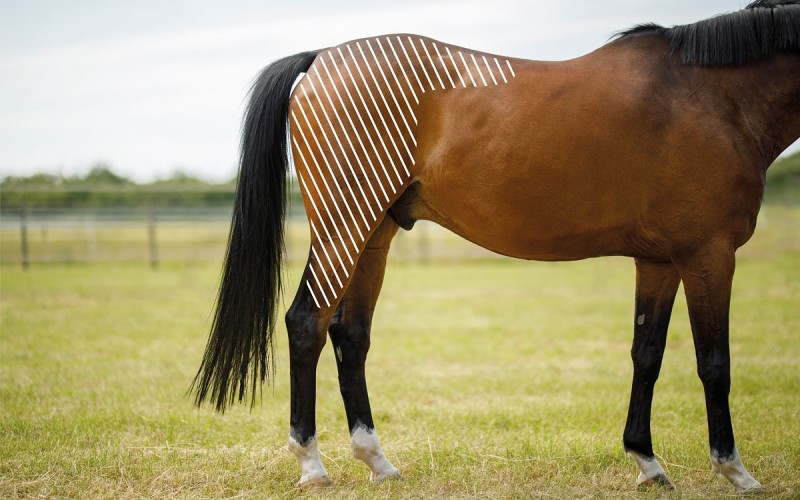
[(354, 125)]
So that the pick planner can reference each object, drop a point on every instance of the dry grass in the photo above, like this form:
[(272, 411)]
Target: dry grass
[(491, 378)]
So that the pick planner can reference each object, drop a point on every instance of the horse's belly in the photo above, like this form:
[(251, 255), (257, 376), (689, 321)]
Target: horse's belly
[(505, 220)]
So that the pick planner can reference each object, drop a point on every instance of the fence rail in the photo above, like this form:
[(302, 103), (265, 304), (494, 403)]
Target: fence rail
[(153, 234)]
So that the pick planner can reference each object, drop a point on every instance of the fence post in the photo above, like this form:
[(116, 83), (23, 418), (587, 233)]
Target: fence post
[(151, 237), (91, 238), (23, 226), (424, 243)]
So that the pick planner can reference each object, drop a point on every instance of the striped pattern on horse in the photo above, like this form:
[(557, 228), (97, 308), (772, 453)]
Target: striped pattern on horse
[(353, 128)]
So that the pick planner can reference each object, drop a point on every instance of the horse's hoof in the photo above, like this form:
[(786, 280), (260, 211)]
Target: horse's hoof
[(314, 482), (733, 470), (753, 489), (659, 480), (379, 478)]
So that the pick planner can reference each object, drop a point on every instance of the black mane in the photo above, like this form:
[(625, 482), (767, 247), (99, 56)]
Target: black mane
[(753, 33)]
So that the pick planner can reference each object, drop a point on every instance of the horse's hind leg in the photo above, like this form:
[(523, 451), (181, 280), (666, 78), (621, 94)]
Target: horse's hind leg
[(656, 286), (306, 325), (349, 332), (707, 278)]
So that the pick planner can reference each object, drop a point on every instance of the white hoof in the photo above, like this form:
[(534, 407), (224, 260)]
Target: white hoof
[(366, 447), (313, 473), (652, 474), (379, 478), (314, 482), (732, 469)]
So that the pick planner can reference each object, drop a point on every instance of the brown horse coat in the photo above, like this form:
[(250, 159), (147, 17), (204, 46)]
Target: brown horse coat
[(655, 146)]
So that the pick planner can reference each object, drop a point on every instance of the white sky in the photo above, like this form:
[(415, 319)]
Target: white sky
[(152, 87)]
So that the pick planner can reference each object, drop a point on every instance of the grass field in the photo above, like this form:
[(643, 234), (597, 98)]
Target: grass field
[(491, 378)]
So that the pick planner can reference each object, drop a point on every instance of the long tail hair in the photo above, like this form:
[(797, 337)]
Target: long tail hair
[(240, 351)]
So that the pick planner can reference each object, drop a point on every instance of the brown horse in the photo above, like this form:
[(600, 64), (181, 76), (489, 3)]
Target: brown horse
[(655, 146)]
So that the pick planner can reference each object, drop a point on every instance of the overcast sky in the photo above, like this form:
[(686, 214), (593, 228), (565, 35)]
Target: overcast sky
[(152, 87)]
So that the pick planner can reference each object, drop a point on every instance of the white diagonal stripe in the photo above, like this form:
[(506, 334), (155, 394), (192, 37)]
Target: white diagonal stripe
[(458, 71), (319, 216), (447, 71), (490, 69), (341, 148), (424, 70), (316, 279), (403, 69), (399, 88), (501, 70), (468, 71), (330, 170), (513, 75), (319, 191), (358, 137), (312, 295), (378, 110), (369, 115), (327, 256), (321, 269), (430, 60), (397, 104), (478, 68), (413, 69)]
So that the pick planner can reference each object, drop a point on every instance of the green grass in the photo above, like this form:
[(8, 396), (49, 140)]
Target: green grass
[(493, 378)]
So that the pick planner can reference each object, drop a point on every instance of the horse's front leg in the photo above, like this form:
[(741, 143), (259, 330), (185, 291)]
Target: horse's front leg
[(656, 286), (707, 278)]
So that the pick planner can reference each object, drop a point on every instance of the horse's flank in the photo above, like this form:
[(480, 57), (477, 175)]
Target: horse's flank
[(624, 151)]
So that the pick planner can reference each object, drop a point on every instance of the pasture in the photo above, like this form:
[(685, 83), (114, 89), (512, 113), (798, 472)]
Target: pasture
[(489, 377)]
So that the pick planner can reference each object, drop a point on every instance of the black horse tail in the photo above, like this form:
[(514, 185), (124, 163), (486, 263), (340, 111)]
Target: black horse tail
[(240, 350)]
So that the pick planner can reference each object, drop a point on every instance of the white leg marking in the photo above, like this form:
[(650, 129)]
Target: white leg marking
[(365, 446), (480, 73), (468, 71), (651, 471), (312, 470), (458, 71), (733, 470), (501, 70)]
